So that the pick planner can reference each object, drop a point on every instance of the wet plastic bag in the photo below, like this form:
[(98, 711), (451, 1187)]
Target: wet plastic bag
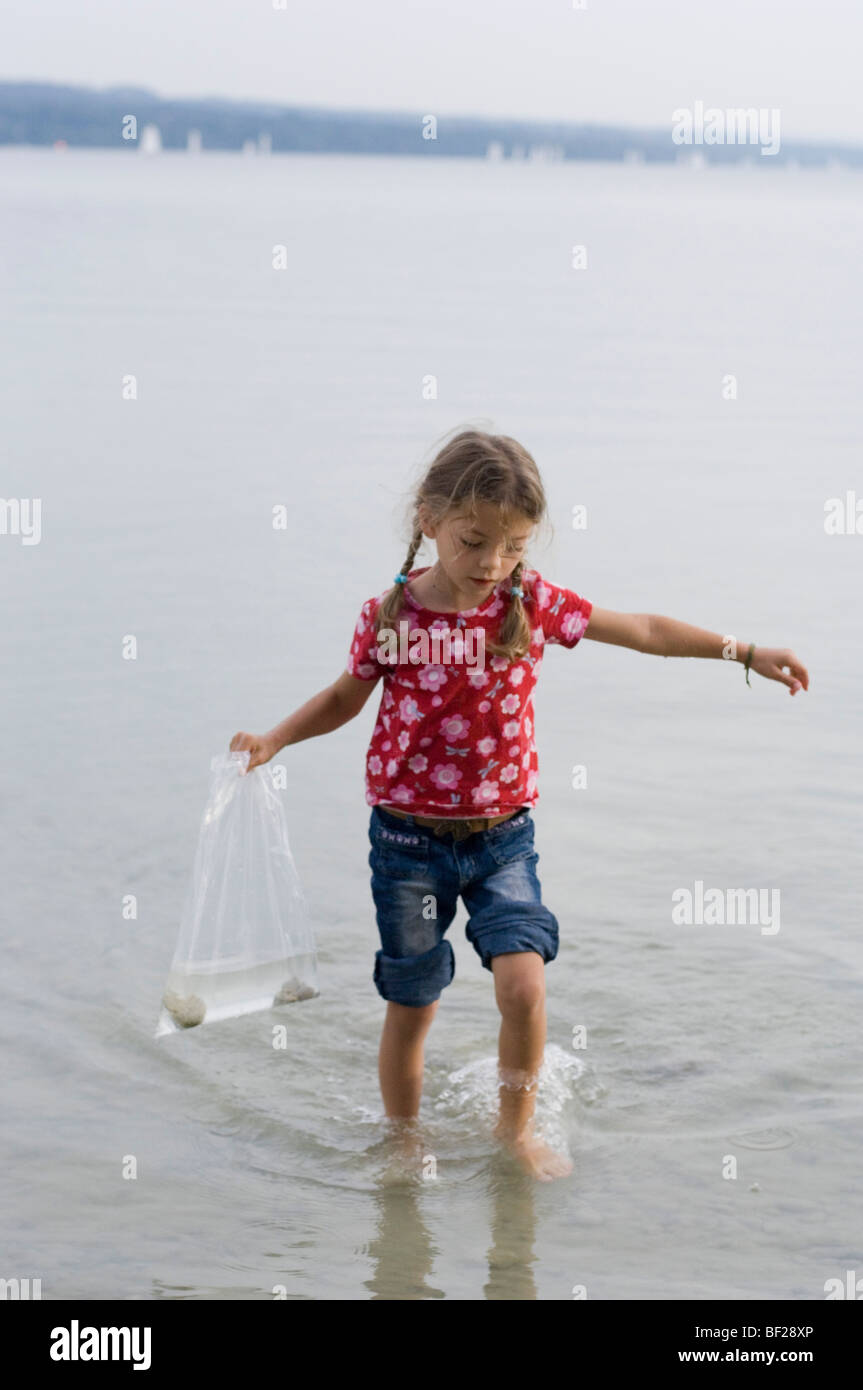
[(246, 942)]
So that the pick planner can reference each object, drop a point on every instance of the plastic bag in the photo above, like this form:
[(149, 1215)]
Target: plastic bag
[(246, 942)]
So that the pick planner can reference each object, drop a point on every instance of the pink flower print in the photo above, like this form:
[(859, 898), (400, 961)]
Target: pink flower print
[(365, 670), (531, 784), (486, 746), (485, 793), (510, 729), (432, 677), (402, 793), (499, 663), (439, 623), (425, 742), (385, 747), (389, 699), (542, 593), (478, 679), (436, 700), (573, 625), (509, 704), (485, 707), (513, 752), (528, 726), (408, 711), (418, 763), (454, 727), (386, 721), (494, 608), (537, 636), (392, 767), (370, 797), (517, 675), (375, 766), (509, 773), (446, 776), (404, 740)]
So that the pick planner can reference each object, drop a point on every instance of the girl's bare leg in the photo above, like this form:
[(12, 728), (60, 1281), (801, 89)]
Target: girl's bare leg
[(400, 1058), (519, 984)]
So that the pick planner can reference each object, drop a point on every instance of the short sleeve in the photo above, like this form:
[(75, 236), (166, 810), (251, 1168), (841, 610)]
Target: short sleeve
[(362, 658), (563, 614)]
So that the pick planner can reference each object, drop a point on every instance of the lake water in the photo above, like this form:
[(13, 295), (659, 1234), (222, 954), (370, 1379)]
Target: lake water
[(262, 1168)]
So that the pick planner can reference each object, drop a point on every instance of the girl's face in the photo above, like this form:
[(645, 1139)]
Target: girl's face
[(475, 551)]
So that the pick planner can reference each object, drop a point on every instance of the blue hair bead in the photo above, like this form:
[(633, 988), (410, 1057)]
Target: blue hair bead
[(400, 579), (517, 591)]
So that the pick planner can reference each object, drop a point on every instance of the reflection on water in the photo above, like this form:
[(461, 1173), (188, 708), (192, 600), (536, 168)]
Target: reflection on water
[(412, 1176), (403, 1250)]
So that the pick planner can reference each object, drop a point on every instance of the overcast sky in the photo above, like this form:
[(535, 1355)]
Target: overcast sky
[(628, 62)]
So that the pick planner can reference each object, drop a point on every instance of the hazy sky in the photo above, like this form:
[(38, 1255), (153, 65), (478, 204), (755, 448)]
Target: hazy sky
[(617, 61)]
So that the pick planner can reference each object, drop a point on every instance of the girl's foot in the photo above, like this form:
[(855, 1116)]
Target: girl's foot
[(534, 1156), (404, 1151)]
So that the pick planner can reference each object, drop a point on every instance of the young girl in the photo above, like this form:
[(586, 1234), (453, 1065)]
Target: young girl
[(451, 770)]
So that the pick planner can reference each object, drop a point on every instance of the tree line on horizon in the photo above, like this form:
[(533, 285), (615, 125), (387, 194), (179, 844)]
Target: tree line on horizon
[(40, 113)]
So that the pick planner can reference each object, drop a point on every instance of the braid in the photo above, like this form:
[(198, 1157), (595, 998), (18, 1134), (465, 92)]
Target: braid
[(391, 605), (514, 638)]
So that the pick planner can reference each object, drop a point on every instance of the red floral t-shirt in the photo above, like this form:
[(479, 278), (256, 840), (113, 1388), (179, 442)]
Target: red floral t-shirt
[(452, 739)]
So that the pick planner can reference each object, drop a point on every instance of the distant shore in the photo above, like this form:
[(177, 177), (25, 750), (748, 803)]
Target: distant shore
[(132, 118)]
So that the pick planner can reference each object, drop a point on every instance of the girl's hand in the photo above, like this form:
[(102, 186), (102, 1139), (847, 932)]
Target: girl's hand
[(773, 662), (260, 747)]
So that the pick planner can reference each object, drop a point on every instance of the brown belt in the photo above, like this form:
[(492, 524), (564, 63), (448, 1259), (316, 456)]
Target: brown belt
[(459, 829)]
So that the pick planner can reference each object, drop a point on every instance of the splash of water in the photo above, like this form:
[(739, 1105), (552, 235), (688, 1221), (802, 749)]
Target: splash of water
[(472, 1092)]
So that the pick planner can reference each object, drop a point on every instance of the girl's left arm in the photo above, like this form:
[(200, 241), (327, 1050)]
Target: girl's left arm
[(660, 636)]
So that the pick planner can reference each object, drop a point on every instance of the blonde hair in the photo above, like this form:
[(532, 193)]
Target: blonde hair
[(476, 467)]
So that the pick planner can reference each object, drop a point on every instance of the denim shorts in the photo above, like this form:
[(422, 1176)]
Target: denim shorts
[(417, 878)]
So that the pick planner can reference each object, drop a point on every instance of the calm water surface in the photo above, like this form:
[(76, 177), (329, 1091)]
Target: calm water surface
[(259, 1168)]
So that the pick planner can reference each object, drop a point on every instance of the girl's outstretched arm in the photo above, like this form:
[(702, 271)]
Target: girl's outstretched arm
[(328, 710), (660, 636)]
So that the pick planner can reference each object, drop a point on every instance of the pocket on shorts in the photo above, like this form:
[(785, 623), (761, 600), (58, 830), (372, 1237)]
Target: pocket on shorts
[(398, 853), (512, 839)]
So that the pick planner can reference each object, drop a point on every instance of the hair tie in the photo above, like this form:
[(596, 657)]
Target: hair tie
[(400, 579), (517, 591)]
